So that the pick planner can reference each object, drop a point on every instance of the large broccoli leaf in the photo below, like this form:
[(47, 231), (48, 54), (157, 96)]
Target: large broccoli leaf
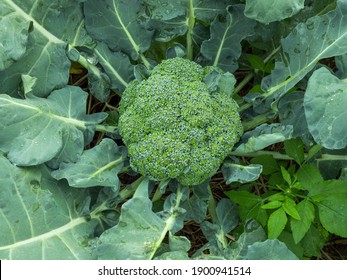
[(43, 62), (36, 130), (319, 37), (325, 109), (120, 24), (223, 49), (267, 11), (41, 218), (96, 167)]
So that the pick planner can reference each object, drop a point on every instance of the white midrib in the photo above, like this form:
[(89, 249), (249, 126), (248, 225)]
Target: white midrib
[(37, 26), (72, 121), (216, 61), (45, 236), (133, 43)]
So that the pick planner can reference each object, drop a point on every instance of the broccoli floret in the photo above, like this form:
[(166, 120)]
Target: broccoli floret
[(174, 127)]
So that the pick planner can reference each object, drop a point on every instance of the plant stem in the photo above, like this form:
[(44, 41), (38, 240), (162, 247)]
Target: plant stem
[(129, 190), (158, 194), (191, 23), (145, 61), (260, 119), (105, 128), (275, 155), (169, 222), (244, 82)]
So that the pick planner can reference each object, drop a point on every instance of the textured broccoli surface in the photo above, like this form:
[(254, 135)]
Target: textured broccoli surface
[(174, 127)]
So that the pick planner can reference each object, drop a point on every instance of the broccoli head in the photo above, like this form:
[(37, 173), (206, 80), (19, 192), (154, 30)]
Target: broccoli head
[(175, 126)]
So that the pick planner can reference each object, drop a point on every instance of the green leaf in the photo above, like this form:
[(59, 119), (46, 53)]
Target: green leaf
[(240, 173), (324, 108), (300, 227), (326, 189), (243, 197), (223, 48), (309, 176), (256, 62), (287, 238), (286, 175), (272, 205), (54, 25), (313, 242), (36, 130), (263, 136), (98, 166), (319, 37), (41, 218), (276, 196), (269, 164), (333, 214), (14, 32), (295, 149), (266, 11), (289, 206), (276, 223), (269, 250), (121, 25)]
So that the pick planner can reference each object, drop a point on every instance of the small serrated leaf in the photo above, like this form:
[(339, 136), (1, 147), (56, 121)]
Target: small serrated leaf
[(243, 197), (300, 227), (295, 149), (289, 206), (276, 223), (272, 205)]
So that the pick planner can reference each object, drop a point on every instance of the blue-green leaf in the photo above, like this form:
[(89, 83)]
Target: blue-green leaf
[(136, 236), (36, 130), (325, 111), (266, 11), (227, 215), (14, 32), (240, 173), (54, 25), (41, 218), (269, 250), (96, 167), (223, 48), (116, 65), (319, 37), (263, 136), (120, 24)]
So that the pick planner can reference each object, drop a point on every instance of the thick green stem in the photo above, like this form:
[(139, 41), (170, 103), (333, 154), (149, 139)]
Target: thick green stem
[(169, 222)]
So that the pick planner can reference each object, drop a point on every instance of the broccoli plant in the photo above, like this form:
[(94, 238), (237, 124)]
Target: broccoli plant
[(175, 125), (125, 123)]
